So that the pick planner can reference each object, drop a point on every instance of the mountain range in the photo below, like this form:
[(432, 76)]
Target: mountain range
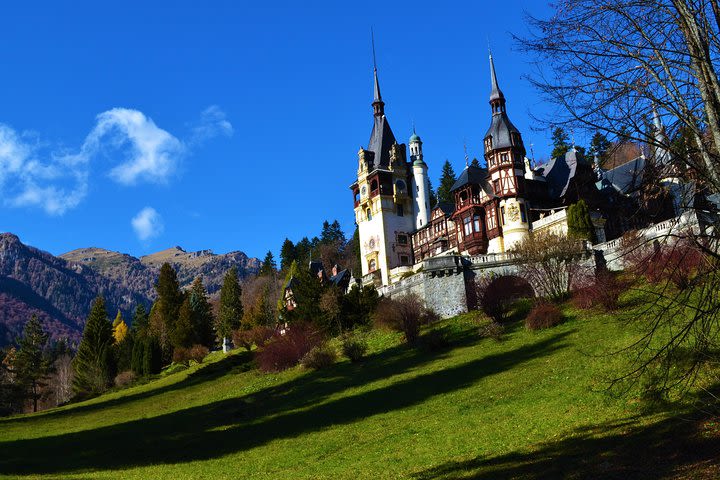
[(60, 290)]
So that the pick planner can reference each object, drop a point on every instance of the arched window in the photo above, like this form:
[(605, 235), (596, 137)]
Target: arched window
[(372, 265), (369, 214), (356, 194)]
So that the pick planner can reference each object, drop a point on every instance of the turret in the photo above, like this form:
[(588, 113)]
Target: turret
[(421, 188)]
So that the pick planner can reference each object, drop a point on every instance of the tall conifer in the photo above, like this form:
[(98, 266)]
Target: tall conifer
[(31, 363), (447, 180), (231, 309), (93, 363)]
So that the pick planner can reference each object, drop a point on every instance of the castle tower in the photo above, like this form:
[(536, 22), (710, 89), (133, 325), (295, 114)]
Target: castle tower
[(384, 208), (504, 154), (420, 186)]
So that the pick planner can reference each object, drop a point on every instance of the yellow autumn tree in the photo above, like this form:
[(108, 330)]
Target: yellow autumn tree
[(120, 328)]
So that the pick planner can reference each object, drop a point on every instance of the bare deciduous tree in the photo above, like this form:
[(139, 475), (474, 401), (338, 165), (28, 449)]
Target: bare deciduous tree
[(614, 66)]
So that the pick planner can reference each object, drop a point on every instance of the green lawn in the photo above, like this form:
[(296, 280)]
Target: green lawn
[(534, 405)]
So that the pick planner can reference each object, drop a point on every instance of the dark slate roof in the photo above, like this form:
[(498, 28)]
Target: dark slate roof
[(341, 280), (447, 207), (316, 268), (476, 175), (381, 139), (500, 128), (291, 283), (559, 171), (625, 178)]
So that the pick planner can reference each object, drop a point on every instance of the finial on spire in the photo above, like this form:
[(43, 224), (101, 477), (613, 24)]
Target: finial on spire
[(378, 104), (467, 159), (372, 40)]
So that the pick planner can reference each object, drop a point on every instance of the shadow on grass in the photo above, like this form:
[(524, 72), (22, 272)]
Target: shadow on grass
[(209, 372), (669, 448), (289, 410)]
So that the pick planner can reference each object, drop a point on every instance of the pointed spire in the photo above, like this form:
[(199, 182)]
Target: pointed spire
[(497, 99), (378, 104), (496, 93)]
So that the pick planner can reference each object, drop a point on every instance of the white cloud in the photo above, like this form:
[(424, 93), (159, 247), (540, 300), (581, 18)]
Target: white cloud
[(147, 224), (55, 185), (152, 154), (33, 175), (213, 123)]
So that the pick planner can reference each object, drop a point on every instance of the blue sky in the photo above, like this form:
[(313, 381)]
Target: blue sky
[(232, 125)]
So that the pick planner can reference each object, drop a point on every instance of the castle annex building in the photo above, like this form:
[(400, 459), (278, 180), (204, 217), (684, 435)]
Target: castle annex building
[(495, 207)]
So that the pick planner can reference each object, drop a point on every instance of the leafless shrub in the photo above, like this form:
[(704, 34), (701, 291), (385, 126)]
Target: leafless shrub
[(551, 263)]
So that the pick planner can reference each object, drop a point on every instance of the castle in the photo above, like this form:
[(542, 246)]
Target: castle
[(495, 207)]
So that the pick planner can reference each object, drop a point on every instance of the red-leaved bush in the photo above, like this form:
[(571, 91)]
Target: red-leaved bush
[(543, 315), (196, 353), (404, 314), (497, 295), (603, 292), (677, 263), (284, 351), (256, 336)]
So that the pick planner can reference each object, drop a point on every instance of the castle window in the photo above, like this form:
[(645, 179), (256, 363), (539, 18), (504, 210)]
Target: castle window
[(476, 223), (504, 157), (467, 225), (496, 187), (404, 260), (372, 265), (523, 216), (400, 210), (374, 186), (400, 186), (502, 215), (402, 239), (369, 214)]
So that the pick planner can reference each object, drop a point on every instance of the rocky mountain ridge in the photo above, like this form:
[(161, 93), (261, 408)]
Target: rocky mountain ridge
[(60, 289)]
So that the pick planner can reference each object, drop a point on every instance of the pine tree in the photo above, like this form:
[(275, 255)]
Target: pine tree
[(202, 316), (433, 196), (447, 180), (600, 147), (287, 254), (120, 328), (140, 319), (268, 266), (182, 335), (579, 222), (560, 141), (138, 356), (31, 364), (124, 351), (231, 309), (356, 251), (303, 250), (93, 363), (307, 290), (332, 233), (167, 307), (152, 356)]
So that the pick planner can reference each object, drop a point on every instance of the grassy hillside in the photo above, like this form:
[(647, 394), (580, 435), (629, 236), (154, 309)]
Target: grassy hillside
[(531, 406)]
